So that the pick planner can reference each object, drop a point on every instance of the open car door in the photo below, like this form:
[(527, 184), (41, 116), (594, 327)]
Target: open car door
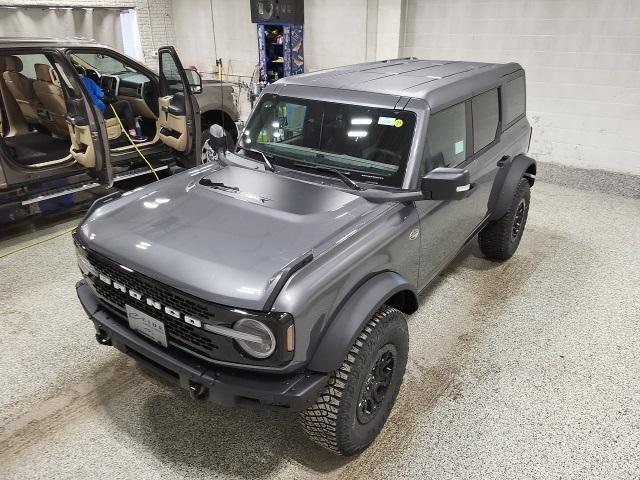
[(89, 143), (179, 115)]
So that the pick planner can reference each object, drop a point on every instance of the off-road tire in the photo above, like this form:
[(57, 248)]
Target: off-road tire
[(333, 422), (498, 239)]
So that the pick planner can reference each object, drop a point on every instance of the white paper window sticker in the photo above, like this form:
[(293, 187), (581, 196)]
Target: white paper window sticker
[(458, 147), (386, 121)]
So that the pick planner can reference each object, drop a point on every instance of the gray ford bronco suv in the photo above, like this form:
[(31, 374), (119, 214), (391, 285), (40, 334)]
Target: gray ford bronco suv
[(281, 273)]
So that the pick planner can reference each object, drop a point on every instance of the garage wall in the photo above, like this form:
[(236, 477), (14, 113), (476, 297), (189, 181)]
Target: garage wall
[(582, 59), (154, 20), (335, 33), (235, 35)]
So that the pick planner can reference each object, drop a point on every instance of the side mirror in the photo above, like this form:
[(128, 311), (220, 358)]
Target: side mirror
[(218, 136), (446, 184), (218, 141), (194, 79)]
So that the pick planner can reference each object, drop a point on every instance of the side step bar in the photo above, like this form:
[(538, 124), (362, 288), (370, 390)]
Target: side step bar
[(86, 186)]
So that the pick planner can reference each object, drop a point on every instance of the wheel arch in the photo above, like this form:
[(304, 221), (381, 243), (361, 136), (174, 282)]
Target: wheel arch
[(384, 288), (506, 183), (213, 116)]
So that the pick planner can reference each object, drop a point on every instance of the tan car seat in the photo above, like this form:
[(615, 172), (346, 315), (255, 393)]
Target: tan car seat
[(15, 120), (48, 90), (21, 88)]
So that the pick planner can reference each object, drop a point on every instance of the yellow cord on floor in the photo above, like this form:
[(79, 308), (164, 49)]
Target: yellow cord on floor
[(134, 144), (51, 237)]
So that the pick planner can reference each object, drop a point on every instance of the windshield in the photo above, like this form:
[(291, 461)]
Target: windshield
[(369, 144), (103, 64)]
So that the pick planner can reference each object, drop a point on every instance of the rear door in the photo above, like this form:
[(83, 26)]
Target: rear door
[(488, 150), (89, 144), (179, 114)]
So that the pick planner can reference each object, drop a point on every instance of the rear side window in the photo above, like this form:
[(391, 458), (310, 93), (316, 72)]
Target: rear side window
[(446, 134), (29, 63), (514, 100), (486, 115)]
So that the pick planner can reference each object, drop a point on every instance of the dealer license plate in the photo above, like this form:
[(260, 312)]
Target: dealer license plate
[(147, 325)]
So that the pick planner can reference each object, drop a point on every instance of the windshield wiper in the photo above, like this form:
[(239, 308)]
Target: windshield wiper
[(334, 171), (264, 156)]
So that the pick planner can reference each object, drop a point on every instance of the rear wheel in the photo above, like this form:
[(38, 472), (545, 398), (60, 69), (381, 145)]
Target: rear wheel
[(356, 403), (499, 240)]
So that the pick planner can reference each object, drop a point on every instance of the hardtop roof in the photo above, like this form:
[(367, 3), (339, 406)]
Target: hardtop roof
[(431, 80)]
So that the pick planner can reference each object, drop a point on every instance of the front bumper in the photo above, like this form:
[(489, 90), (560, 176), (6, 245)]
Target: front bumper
[(223, 386)]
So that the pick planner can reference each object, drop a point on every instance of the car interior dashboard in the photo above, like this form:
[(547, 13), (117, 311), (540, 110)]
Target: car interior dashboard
[(140, 91)]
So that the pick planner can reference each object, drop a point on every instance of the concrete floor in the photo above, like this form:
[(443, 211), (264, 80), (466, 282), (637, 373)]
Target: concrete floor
[(527, 369)]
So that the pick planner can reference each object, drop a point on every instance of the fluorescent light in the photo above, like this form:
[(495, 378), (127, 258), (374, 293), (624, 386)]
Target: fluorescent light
[(361, 121), (356, 133), (143, 245)]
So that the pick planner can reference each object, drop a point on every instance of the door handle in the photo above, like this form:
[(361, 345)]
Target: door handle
[(500, 163)]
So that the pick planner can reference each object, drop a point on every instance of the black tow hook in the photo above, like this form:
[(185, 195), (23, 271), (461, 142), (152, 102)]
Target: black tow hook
[(103, 337), (198, 391)]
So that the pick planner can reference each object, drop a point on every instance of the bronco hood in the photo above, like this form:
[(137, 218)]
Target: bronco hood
[(224, 235)]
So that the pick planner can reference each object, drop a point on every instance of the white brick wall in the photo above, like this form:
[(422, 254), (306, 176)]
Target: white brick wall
[(154, 19), (582, 59)]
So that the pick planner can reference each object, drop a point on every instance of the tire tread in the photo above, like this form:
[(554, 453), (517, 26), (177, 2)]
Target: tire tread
[(495, 237), (320, 421)]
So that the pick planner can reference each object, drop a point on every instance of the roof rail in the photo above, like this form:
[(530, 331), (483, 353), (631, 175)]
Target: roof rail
[(396, 59)]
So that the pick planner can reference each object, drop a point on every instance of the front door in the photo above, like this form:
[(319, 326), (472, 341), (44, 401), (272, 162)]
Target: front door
[(179, 115), (446, 225), (88, 136)]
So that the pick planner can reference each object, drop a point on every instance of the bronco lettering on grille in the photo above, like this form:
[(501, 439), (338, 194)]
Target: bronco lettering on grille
[(152, 302)]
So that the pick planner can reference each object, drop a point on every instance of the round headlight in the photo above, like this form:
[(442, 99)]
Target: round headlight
[(259, 341)]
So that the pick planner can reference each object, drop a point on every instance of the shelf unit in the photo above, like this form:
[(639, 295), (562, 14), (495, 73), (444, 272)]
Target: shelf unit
[(280, 51)]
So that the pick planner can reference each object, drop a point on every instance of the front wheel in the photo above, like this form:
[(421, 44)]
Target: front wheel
[(499, 240), (353, 408)]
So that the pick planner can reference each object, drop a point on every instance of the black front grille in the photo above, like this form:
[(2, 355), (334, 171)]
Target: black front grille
[(176, 329), (163, 295), (184, 333), (179, 333)]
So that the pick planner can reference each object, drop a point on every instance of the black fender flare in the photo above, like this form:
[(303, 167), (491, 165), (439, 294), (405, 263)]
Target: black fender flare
[(351, 318), (506, 183)]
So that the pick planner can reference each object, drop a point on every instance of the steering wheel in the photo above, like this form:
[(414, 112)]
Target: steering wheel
[(370, 152)]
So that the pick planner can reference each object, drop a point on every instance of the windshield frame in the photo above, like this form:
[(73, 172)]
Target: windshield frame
[(384, 102)]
